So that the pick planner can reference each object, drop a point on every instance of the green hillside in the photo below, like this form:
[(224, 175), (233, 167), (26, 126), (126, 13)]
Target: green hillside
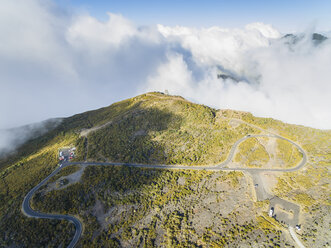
[(132, 207), (158, 128)]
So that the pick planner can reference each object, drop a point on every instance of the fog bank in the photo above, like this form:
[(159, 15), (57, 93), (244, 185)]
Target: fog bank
[(56, 63)]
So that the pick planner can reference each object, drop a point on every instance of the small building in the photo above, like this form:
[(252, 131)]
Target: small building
[(271, 212), (298, 227)]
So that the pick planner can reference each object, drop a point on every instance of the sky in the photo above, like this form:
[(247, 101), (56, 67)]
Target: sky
[(63, 57), (285, 15)]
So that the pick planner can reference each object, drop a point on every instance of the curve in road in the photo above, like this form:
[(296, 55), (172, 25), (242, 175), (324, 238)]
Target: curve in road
[(28, 211)]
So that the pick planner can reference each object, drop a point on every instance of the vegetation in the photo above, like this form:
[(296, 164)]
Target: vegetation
[(171, 132), (304, 199), (122, 206), (288, 153), (15, 182), (65, 172), (151, 207), (252, 154), (307, 187), (280, 154)]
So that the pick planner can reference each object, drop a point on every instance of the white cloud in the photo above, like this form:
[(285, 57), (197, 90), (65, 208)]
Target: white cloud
[(215, 45), (173, 75), (265, 30), (54, 63), (11, 138), (290, 83), (87, 31)]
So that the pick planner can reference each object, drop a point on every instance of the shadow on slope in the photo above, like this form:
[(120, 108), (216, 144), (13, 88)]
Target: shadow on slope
[(115, 195), (132, 137), (107, 199)]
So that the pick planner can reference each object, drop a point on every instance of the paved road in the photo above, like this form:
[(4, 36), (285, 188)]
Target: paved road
[(28, 211), (219, 167), (294, 236)]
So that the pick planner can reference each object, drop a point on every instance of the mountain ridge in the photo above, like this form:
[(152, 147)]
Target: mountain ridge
[(82, 120)]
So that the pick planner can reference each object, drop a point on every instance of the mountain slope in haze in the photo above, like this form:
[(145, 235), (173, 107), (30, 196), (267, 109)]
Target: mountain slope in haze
[(131, 207), (14, 137), (293, 39)]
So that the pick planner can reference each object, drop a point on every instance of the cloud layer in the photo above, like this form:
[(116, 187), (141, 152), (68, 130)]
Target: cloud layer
[(10, 139), (290, 82), (54, 63)]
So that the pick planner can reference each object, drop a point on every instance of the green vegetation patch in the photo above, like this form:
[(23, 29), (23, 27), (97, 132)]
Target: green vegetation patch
[(148, 207), (288, 153), (15, 182), (304, 199), (262, 151), (252, 153), (166, 130), (65, 172)]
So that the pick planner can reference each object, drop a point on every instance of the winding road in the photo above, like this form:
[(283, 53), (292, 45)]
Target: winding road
[(28, 211)]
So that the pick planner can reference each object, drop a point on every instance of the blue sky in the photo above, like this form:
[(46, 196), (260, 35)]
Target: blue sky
[(286, 15)]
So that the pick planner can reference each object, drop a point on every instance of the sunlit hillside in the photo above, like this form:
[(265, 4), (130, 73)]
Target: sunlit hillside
[(129, 207)]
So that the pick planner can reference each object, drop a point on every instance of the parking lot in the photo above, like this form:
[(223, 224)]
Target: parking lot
[(284, 211), (67, 153)]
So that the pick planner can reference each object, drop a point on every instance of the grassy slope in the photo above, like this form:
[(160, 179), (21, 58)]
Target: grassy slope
[(163, 129), (149, 128), (252, 153), (310, 186), (155, 207)]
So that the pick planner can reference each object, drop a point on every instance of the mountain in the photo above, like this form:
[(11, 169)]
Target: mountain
[(189, 176), (292, 39)]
